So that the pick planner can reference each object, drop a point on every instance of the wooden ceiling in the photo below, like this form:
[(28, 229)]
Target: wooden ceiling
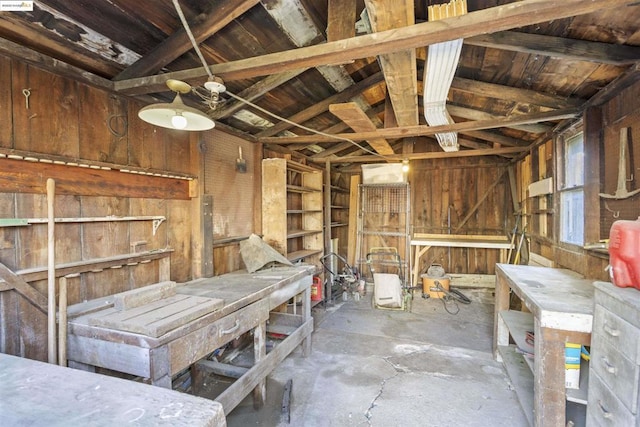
[(350, 69)]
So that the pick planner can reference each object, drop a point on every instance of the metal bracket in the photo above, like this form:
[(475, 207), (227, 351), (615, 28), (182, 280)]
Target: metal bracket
[(156, 224)]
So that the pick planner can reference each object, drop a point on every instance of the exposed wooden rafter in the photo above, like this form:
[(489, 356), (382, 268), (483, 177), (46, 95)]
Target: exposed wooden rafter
[(409, 131), (513, 15)]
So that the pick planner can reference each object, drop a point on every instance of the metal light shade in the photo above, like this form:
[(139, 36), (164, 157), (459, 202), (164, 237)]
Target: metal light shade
[(163, 113)]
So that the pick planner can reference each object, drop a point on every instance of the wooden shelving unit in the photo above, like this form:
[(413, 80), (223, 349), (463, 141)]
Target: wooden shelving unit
[(292, 218)]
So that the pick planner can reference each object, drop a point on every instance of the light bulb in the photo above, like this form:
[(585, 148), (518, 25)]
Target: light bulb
[(179, 121), (405, 166)]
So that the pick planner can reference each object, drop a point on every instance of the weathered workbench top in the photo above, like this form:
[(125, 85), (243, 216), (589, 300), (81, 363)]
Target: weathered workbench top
[(37, 393), (561, 311), (243, 303)]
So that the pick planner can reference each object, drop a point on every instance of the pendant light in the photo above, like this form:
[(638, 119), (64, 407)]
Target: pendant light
[(176, 115)]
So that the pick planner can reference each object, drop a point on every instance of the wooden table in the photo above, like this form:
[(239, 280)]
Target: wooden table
[(248, 300), (561, 306), (37, 393), (421, 243)]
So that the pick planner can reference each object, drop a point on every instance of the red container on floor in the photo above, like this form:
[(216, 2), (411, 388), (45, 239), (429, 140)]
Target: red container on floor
[(316, 289), (624, 253)]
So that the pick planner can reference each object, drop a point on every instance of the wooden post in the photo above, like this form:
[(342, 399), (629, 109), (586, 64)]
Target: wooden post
[(62, 323), (51, 277)]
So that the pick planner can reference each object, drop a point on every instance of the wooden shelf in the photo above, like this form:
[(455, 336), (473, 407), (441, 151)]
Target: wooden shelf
[(300, 189), (519, 323), (521, 378), (292, 234), (298, 255), (292, 203)]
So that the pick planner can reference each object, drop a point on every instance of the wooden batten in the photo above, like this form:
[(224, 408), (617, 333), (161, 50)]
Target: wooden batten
[(21, 176)]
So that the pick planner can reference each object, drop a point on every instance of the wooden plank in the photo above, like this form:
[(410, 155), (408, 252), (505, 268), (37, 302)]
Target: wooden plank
[(558, 47), (353, 219), (144, 295), (23, 288), (157, 318), (40, 273), (512, 15), (400, 72), (352, 115), (220, 15), (322, 106), (341, 22), (404, 132), (233, 395), (19, 176), (510, 93)]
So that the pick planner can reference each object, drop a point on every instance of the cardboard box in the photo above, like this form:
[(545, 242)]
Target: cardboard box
[(384, 173), (572, 365)]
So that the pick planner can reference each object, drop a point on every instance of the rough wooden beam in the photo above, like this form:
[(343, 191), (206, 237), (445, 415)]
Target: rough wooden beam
[(254, 92), (558, 47), (23, 288), (471, 114), (430, 155), (630, 77), (47, 63), (408, 131), (399, 67), (323, 105), (492, 90), (495, 138), (352, 115), (205, 25), (20, 176), (499, 18), (341, 19)]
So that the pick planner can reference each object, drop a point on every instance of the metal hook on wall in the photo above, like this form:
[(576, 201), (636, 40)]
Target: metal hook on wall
[(616, 214)]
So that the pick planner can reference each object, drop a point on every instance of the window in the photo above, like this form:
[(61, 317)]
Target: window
[(572, 191)]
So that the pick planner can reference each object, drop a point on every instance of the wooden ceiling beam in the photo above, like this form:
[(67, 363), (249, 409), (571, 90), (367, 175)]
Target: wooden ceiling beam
[(431, 155), (341, 19), (323, 105), (509, 93), (353, 116), (399, 67), (495, 138), (471, 114), (254, 92), (558, 47), (499, 18), (422, 130), (205, 25)]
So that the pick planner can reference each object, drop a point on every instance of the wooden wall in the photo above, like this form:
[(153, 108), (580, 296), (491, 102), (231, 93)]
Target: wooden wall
[(601, 126), (461, 196), (67, 124)]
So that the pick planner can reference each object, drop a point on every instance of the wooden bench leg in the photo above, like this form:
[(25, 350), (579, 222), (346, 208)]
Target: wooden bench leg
[(260, 352)]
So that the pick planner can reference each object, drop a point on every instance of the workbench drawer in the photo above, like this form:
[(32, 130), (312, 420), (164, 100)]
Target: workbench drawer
[(604, 408), (616, 371), (194, 346), (616, 332)]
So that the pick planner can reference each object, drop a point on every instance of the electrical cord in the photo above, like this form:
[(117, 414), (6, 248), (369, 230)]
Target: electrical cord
[(194, 43), (450, 298)]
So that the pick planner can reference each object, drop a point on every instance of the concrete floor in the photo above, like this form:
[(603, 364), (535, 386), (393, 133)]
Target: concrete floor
[(372, 367)]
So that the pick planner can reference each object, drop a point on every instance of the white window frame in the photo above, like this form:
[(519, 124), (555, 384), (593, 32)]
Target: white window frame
[(571, 191)]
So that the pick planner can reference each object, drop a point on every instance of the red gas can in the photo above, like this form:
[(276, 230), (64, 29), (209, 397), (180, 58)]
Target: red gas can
[(624, 253), (316, 289)]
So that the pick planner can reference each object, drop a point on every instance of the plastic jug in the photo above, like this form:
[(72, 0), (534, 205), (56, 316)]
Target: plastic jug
[(624, 253)]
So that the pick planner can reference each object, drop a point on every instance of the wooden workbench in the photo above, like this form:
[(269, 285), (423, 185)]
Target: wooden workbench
[(421, 243), (248, 300), (37, 393), (561, 310)]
